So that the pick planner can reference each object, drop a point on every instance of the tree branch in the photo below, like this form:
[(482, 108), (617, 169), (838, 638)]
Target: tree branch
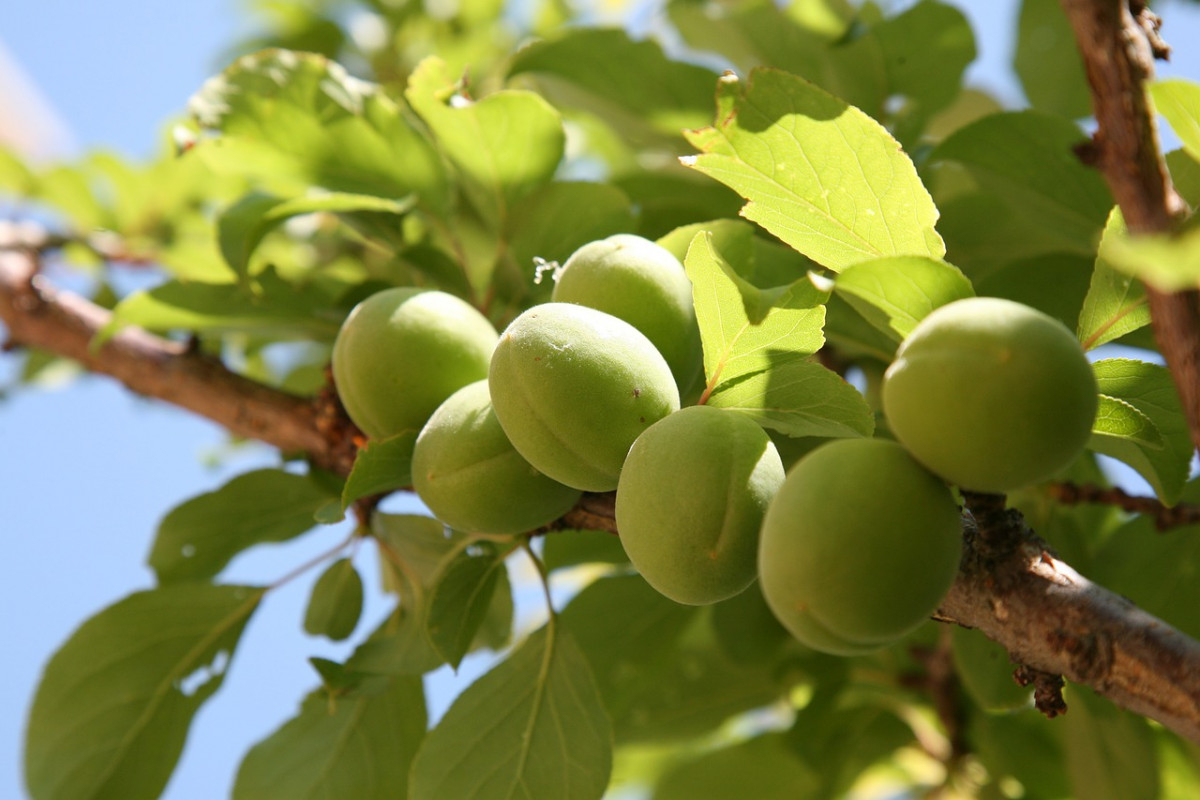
[(1009, 587), (1119, 41), (63, 323)]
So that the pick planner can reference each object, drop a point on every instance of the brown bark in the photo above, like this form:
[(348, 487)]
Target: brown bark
[(1119, 41)]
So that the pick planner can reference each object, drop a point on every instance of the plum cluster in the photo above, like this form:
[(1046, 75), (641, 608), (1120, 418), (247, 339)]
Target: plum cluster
[(854, 546)]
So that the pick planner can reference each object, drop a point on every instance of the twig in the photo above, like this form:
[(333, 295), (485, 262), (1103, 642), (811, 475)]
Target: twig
[(1165, 517)]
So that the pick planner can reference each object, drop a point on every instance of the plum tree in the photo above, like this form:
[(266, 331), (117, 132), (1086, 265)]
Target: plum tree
[(573, 388), (858, 547), (691, 499), (402, 351), (991, 394), (644, 284), (470, 476)]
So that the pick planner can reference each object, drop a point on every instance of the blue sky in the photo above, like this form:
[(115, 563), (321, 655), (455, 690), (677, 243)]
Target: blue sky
[(86, 471)]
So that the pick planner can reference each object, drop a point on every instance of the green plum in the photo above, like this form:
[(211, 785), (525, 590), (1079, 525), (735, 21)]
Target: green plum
[(573, 387), (471, 477), (644, 284), (402, 351), (991, 394), (858, 547), (691, 500)]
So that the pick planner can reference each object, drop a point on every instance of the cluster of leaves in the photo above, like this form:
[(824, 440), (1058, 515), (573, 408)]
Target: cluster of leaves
[(872, 187)]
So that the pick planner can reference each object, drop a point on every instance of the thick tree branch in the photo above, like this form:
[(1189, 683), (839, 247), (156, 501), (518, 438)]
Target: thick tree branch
[(1009, 587), (1054, 620), (1119, 42), (36, 315)]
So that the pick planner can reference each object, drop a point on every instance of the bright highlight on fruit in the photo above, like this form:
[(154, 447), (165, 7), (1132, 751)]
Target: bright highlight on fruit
[(472, 478), (691, 500), (858, 547), (402, 351), (573, 388), (991, 394)]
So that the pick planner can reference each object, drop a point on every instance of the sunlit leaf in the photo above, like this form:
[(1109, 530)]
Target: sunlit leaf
[(1169, 262), (894, 294), (818, 173), (1179, 101), (531, 728), (115, 702), (1116, 303)]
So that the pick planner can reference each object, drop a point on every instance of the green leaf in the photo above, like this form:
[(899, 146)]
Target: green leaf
[(568, 548), (1115, 303), (298, 120), (1155, 569), (336, 602), (1150, 390), (560, 217), (115, 702), (504, 145), (986, 672), (1179, 101), (384, 465), (926, 49), (1022, 746), (199, 537), (1110, 752), (1026, 161), (763, 768), (242, 226), (1169, 262), (746, 629), (742, 329), (1048, 63), (819, 174), (894, 294), (355, 745), (461, 598), (1185, 173), (798, 398), (840, 744), (609, 65), (271, 307), (531, 728), (1121, 422)]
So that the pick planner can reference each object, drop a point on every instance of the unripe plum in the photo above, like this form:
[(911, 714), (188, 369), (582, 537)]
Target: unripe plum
[(644, 284), (472, 478), (858, 547), (991, 394), (573, 387), (402, 351), (691, 500)]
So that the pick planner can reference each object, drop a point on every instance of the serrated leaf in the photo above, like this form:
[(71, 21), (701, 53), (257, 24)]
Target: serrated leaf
[(744, 330), (1110, 753), (336, 602), (1115, 303), (1025, 162), (1179, 101), (199, 537), (384, 465), (1121, 422), (798, 398), (532, 728), (503, 145), (461, 598), (242, 226), (611, 66), (297, 120), (115, 702), (1151, 391), (1048, 63), (358, 745), (819, 174), (894, 294)]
